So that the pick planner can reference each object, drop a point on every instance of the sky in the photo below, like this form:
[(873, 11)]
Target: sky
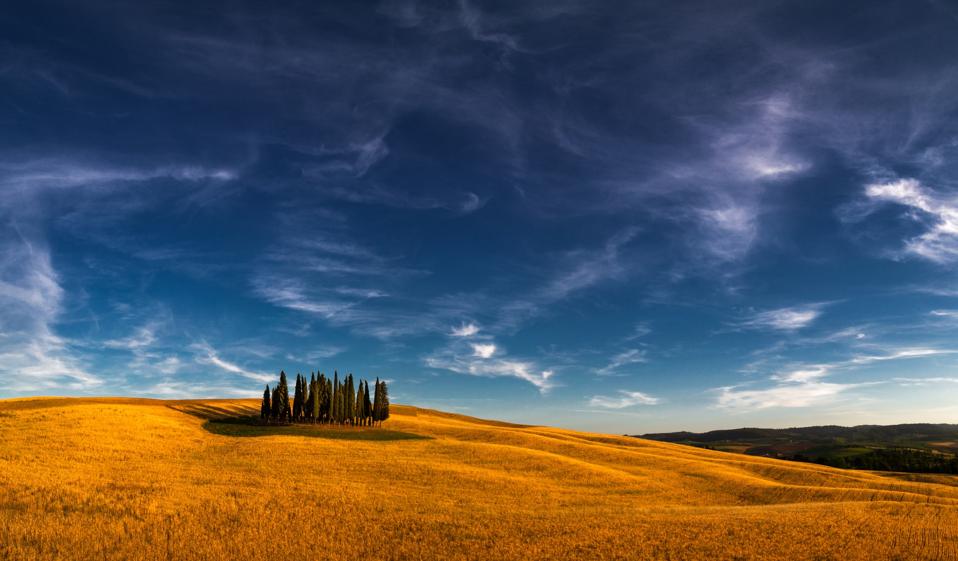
[(625, 217)]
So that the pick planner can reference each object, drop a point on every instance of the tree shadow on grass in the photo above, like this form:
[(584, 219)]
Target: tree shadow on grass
[(250, 427)]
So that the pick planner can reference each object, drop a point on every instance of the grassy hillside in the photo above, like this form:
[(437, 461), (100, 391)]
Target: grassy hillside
[(146, 479)]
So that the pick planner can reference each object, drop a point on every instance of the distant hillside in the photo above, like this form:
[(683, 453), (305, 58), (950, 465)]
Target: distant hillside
[(916, 447)]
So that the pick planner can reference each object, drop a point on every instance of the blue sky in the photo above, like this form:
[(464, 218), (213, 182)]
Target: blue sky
[(625, 217)]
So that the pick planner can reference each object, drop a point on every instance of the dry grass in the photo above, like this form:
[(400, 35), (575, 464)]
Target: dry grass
[(142, 479)]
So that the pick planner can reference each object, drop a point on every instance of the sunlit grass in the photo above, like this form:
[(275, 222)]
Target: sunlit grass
[(127, 479)]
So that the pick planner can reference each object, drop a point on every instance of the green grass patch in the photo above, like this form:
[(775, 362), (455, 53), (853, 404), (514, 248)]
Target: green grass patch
[(837, 451), (248, 428)]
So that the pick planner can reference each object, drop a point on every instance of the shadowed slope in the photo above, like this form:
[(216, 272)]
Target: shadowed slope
[(142, 479)]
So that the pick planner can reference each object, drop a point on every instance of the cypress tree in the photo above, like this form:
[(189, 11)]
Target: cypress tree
[(336, 397), (328, 400), (349, 411), (360, 417), (308, 404), (384, 413), (377, 403), (367, 405), (314, 400), (323, 398), (284, 410), (274, 404), (302, 398), (264, 408), (298, 398)]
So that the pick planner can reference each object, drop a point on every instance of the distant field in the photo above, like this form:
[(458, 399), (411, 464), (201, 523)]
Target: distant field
[(122, 479)]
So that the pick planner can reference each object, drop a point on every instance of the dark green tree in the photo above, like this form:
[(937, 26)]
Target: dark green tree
[(323, 398), (367, 404), (328, 400), (308, 404), (298, 398), (360, 415), (314, 400), (264, 408), (284, 409), (377, 403), (349, 396), (384, 412), (336, 405), (274, 404)]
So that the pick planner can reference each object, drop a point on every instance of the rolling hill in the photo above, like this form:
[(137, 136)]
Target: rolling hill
[(137, 479)]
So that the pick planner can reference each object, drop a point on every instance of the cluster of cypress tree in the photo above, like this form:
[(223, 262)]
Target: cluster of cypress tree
[(324, 400)]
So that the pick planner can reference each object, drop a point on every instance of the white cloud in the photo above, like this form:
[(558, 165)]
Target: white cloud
[(583, 269), (58, 173), (802, 394), (743, 156), (141, 344), (589, 268), (483, 350), (478, 360), (803, 375), (768, 166), (465, 330), (176, 389), (168, 365), (937, 213), (290, 294), (945, 313), (472, 19), (917, 352), (729, 229), (33, 358), (804, 387), (641, 330), (784, 319), (926, 381), (143, 337), (623, 399), (208, 355), (625, 358), (471, 203)]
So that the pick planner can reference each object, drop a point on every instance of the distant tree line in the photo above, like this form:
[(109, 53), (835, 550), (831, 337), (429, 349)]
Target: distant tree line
[(909, 460), (324, 400)]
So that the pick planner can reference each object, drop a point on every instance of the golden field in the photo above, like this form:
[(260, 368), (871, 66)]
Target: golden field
[(130, 479)]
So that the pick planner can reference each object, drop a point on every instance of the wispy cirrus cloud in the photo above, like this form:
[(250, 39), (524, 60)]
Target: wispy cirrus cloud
[(803, 394), (912, 352), (623, 399), (483, 350), (784, 319), (61, 173), (488, 360), (805, 385), (927, 381), (206, 354), (578, 271), (951, 314), (142, 345), (465, 330), (936, 213), (625, 358), (180, 389), (34, 358)]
